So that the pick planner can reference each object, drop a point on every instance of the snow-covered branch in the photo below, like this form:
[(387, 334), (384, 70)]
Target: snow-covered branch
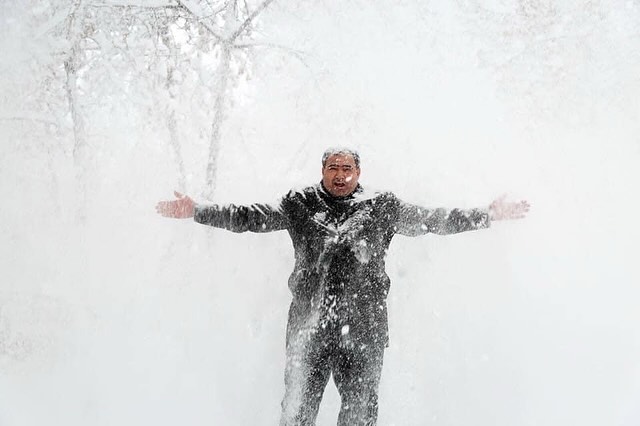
[(249, 20), (194, 13)]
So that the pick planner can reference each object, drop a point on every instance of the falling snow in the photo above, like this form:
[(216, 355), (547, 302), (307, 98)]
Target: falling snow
[(110, 314)]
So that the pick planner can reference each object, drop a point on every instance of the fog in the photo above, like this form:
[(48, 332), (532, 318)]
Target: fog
[(111, 314)]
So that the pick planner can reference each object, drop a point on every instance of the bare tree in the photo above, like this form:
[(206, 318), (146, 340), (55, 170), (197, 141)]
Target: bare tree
[(237, 22), (98, 47), (72, 64), (171, 87)]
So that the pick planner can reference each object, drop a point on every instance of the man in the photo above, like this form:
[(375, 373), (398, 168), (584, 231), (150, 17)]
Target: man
[(338, 316)]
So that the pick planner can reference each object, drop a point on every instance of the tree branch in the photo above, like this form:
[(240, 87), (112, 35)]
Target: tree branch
[(168, 4), (199, 19), (297, 53), (250, 19), (29, 119)]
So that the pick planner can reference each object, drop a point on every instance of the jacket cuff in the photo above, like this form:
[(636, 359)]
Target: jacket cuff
[(199, 213)]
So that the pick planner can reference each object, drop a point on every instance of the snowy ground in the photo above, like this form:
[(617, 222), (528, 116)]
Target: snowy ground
[(128, 318)]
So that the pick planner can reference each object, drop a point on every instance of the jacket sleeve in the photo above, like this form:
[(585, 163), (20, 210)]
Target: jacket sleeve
[(414, 220), (253, 218)]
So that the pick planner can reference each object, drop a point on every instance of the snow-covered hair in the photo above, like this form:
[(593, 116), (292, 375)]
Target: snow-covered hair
[(344, 151)]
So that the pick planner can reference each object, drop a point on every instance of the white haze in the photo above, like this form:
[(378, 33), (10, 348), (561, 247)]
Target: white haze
[(127, 318)]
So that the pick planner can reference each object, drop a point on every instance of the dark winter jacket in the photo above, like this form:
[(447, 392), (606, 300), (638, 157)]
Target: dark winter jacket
[(339, 280)]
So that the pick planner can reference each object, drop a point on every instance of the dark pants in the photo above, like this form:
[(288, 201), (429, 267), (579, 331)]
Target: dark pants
[(312, 357)]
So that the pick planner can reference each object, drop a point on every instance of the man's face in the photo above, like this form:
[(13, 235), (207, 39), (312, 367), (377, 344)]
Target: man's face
[(340, 175)]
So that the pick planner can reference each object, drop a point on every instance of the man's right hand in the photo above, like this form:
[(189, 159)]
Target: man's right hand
[(182, 208), (500, 209)]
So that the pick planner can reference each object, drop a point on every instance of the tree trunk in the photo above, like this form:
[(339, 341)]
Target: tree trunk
[(172, 125), (219, 114), (80, 151)]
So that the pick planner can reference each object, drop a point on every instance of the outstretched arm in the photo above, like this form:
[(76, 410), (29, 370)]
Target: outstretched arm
[(254, 218), (414, 220)]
